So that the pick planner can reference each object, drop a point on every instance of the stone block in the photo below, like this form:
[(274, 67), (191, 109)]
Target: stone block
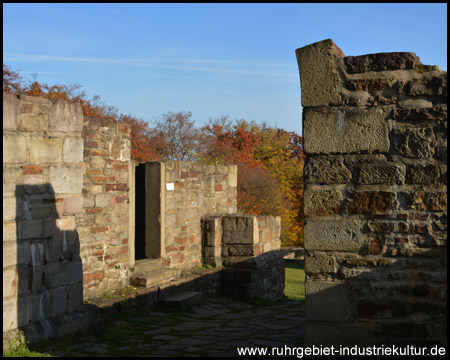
[(63, 273), (334, 235), (381, 62), (240, 230), (73, 150), (10, 112), (16, 253), (102, 200), (15, 148), (34, 116), (232, 175), (212, 231), (369, 202), (317, 264), (322, 202), (9, 231), (67, 179), (73, 205), (28, 229), (319, 76), (327, 171), (383, 173), (65, 117), (345, 131), (327, 301), (10, 212), (45, 149)]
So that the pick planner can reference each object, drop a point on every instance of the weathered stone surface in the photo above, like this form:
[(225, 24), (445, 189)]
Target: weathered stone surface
[(327, 171), (415, 143), (73, 150), (45, 149), (322, 202), (320, 264), (65, 117), (382, 173), (317, 64), (334, 235), (369, 202), (10, 112), (15, 149), (66, 179), (380, 62), (345, 131), (327, 301), (239, 230)]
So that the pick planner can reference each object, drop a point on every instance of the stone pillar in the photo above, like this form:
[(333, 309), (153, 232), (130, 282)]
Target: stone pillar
[(374, 129)]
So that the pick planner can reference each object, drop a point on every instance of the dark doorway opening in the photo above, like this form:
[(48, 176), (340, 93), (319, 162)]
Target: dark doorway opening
[(139, 245)]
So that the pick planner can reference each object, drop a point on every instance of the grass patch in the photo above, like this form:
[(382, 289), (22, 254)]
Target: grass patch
[(295, 281), (23, 351)]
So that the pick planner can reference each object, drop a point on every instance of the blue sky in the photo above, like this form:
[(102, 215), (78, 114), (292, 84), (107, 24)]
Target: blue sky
[(210, 59)]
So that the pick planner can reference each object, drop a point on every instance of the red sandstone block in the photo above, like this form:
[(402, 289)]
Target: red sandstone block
[(179, 185), (112, 265), (120, 198), (99, 229), (124, 241), (32, 169), (95, 276), (26, 108), (94, 211), (116, 187), (192, 238), (90, 144), (369, 202), (375, 246), (124, 250), (184, 174), (218, 187), (119, 167), (102, 179), (180, 240), (99, 153), (93, 172), (171, 248)]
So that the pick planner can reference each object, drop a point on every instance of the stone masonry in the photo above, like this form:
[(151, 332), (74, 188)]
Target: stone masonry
[(375, 131), (69, 218), (65, 210), (42, 197)]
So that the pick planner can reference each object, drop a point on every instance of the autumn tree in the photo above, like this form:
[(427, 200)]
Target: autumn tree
[(178, 136)]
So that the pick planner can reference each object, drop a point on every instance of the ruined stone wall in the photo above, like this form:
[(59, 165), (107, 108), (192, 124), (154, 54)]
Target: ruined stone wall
[(42, 183), (65, 210), (198, 191), (374, 128), (103, 221), (248, 246)]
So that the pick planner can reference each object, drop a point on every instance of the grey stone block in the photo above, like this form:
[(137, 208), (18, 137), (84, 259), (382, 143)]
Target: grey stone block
[(10, 112), (65, 117), (334, 235), (345, 131)]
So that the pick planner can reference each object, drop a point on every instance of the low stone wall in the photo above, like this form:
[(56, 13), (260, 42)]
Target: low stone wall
[(375, 131), (248, 247)]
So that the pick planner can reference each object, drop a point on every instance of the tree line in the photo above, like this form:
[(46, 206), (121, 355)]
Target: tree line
[(270, 160)]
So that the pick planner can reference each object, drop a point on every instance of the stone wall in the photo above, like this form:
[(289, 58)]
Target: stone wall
[(42, 184), (375, 197), (185, 193), (103, 221), (65, 210), (249, 248)]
